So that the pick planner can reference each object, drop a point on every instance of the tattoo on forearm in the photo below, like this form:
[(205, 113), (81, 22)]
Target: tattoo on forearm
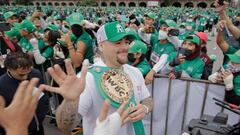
[(67, 116), (148, 102)]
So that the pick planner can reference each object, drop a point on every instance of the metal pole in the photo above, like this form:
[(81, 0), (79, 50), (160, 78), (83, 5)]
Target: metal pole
[(168, 103), (151, 121), (204, 98), (185, 104)]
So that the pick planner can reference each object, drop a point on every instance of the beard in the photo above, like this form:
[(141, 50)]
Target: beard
[(122, 58)]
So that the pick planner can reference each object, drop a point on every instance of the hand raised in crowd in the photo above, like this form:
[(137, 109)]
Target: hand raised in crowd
[(177, 60), (111, 124), (70, 86), (171, 76), (16, 117), (66, 38), (220, 8), (228, 79), (37, 14), (221, 24)]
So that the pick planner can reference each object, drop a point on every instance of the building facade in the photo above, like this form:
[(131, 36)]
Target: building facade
[(124, 3)]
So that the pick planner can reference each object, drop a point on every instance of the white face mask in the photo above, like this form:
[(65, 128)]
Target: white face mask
[(189, 20), (181, 30), (162, 35)]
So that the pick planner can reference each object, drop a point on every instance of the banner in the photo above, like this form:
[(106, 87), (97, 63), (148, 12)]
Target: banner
[(152, 4)]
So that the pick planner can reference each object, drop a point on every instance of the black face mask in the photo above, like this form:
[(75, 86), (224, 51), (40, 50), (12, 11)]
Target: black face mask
[(184, 52), (131, 57), (187, 52)]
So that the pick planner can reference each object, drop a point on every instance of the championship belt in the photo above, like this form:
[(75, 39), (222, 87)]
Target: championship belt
[(115, 85)]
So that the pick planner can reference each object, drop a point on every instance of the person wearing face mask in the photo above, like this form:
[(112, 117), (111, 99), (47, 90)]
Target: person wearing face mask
[(161, 48), (230, 77), (186, 62), (136, 56)]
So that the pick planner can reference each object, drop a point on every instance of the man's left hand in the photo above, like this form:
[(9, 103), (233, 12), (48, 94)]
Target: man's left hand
[(137, 113)]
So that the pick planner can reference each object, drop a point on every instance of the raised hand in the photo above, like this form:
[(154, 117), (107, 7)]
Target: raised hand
[(70, 86), (16, 117), (110, 124), (220, 8)]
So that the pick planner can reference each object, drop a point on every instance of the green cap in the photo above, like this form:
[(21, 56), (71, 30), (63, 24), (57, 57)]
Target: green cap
[(235, 57), (132, 32), (53, 27), (137, 46), (169, 23), (194, 39), (57, 17), (27, 26), (151, 15), (9, 14), (14, 32), (112, 32), (75, 18)]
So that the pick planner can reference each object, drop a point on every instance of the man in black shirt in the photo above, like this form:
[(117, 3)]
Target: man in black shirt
[(19, 68)]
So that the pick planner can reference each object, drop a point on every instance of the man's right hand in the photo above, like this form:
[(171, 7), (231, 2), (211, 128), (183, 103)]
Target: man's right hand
[(70, 86)]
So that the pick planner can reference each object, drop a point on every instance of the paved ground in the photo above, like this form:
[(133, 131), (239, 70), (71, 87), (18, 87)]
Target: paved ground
[(51, 129), (213, 48)]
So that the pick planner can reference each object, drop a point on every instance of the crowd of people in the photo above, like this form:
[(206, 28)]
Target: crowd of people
[(101, 60)]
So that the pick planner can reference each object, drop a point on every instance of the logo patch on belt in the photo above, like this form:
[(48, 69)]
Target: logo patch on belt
[(117, 85)]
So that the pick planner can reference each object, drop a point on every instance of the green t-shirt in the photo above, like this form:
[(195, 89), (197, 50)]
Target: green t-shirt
[(88, 41), (26, 45), (193, 68), (230, 50), (202, 23), (144, 67), (236, 83), (158, 49)]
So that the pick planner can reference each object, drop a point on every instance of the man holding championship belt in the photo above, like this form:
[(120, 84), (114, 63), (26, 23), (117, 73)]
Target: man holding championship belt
[(108, 79)]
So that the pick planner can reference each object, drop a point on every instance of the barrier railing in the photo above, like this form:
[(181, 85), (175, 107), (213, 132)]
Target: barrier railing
[(178, 101)]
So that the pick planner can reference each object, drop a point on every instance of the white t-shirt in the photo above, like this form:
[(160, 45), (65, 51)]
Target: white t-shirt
[(90, 102)]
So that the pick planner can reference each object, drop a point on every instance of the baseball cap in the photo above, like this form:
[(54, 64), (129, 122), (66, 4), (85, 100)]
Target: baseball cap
[(9, 14), (112, 32), (169, 23), (151, 15), (28, 26), (138, 46), (202, 36), (194, 39), (75, 18)]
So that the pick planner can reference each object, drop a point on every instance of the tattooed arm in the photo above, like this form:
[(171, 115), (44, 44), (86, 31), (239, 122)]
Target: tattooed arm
[(67, 116), (70, 88), (148, 102)]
